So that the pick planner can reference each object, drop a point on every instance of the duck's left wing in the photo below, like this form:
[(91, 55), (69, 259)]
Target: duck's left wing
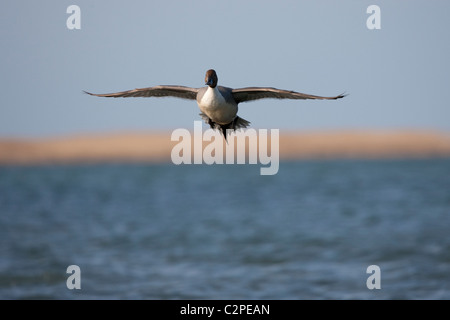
[(255, 93)]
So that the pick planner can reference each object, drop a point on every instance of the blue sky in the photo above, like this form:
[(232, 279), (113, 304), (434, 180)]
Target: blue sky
[(397, 77)]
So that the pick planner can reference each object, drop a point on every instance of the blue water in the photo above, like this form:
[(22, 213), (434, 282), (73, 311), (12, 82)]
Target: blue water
[(141, 231)]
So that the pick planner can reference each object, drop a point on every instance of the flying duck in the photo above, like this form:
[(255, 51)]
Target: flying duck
[(218, 105)]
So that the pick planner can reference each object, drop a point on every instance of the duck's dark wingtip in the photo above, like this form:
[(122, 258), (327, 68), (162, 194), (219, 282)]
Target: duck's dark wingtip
[(342, 95)]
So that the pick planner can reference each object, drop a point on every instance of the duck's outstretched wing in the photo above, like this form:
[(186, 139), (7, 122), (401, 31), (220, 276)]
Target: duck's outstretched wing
[(255, 93), (157, 91)]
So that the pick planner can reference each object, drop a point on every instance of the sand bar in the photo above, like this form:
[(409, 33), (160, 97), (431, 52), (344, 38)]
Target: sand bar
[(156, 147)]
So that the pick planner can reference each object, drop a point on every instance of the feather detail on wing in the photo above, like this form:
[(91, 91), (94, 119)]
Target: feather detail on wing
[(157, 91), (255, 93)]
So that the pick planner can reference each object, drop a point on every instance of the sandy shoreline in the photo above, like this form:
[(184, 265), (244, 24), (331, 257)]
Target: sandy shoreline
[(157, 147)]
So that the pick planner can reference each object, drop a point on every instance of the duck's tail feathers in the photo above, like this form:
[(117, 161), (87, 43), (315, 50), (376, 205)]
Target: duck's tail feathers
[(225, 129)]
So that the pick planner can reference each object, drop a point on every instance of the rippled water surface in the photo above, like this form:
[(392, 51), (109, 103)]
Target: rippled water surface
[(225, 232)]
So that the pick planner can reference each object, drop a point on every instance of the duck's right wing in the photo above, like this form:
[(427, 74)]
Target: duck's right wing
[(157, 91)]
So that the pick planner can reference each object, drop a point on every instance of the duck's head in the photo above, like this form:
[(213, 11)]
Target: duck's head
[(211, 78)]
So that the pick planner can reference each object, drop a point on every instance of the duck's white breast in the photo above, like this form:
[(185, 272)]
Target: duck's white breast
[(214, 105)]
